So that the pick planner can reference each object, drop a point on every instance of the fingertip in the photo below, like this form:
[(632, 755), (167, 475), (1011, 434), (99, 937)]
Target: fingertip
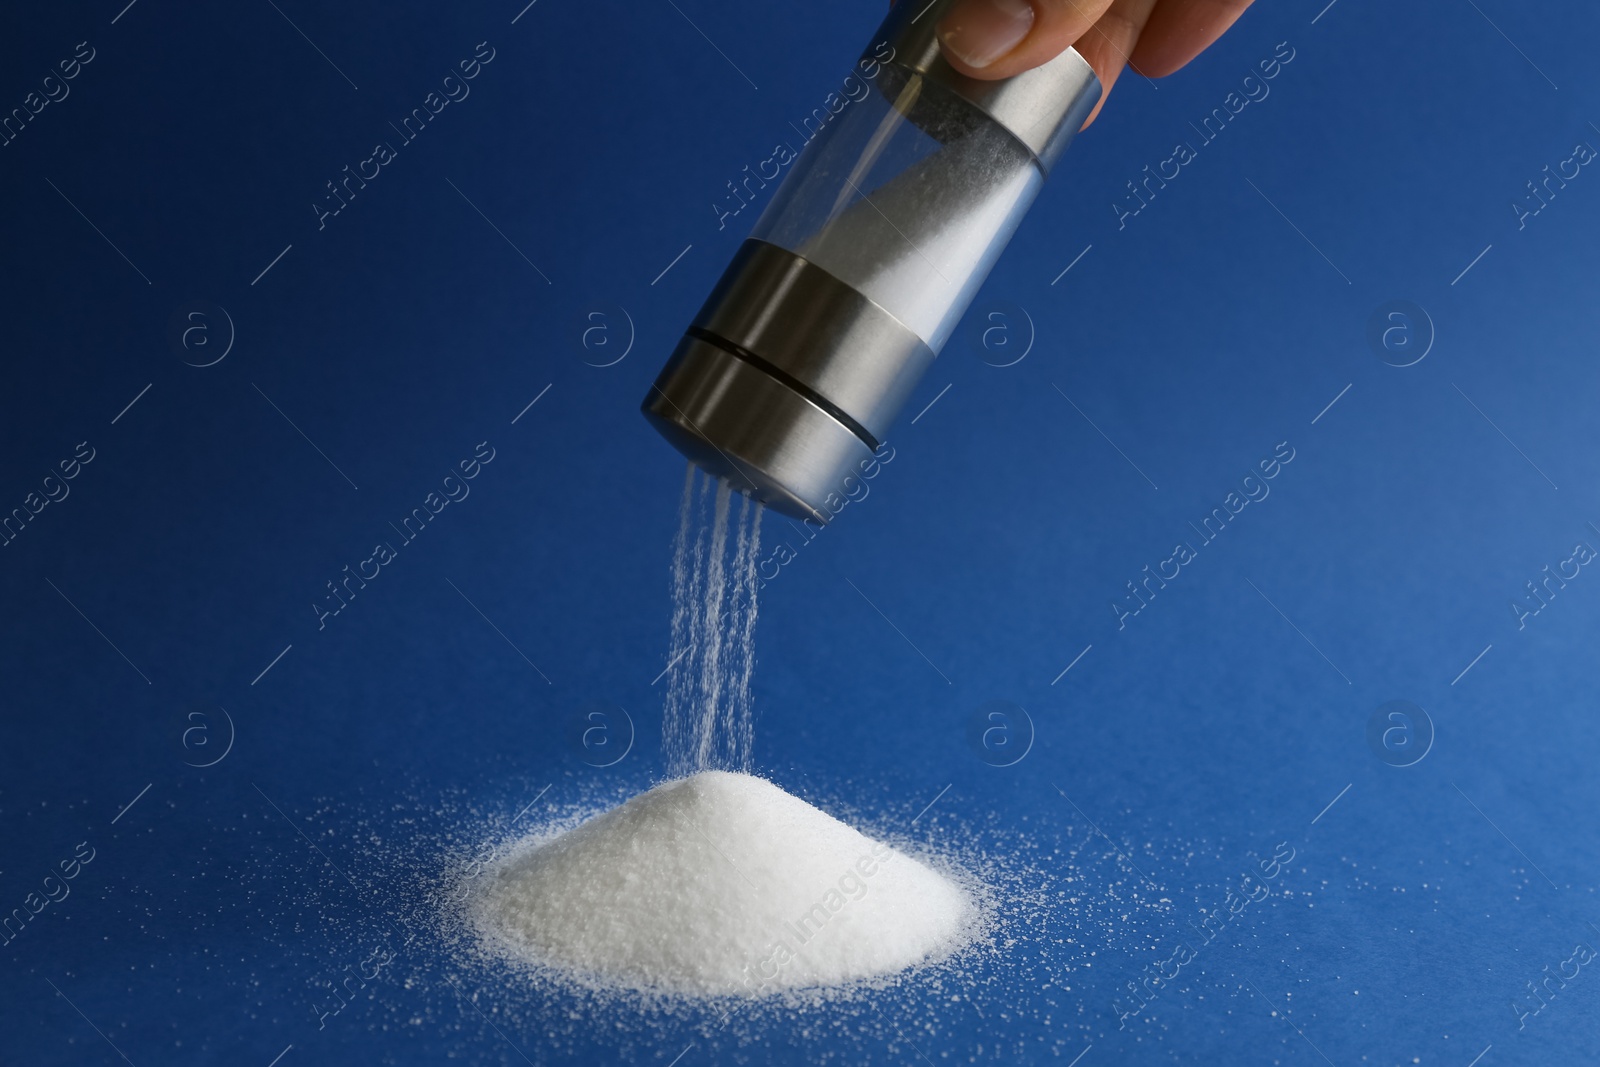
[(1179, 31), (978, 36), (991, 39)]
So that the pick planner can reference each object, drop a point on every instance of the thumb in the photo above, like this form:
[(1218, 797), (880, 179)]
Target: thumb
[(1000, 38)]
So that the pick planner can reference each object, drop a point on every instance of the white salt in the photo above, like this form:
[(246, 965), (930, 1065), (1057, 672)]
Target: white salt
[(717, 884), (709, 720)]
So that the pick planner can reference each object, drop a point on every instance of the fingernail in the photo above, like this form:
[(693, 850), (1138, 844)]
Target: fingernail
[(978, 32)]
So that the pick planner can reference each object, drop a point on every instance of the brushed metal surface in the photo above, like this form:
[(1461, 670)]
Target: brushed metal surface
[(802, 320), (739, 423), (1043, 107)]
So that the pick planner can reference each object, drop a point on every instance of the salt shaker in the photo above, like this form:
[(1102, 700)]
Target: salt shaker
[(787, 381)]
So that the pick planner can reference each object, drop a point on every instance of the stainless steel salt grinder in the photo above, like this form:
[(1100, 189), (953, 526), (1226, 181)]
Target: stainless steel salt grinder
[(910, 184)]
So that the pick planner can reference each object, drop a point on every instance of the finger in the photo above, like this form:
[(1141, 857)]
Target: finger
[(1110, 42), (999, 38), (1179, 30)]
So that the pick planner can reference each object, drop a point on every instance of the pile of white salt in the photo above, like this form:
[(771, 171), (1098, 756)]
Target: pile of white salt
[(719, 884)]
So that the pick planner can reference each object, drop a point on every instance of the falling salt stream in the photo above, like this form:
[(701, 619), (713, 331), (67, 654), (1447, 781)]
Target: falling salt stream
[(717, 882), (709, 712)]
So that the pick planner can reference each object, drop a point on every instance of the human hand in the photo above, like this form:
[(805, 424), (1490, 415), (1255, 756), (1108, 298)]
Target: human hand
[(999, 38)]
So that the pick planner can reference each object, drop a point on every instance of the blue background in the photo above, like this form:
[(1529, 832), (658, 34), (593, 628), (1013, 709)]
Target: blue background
[(1179, 750)]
